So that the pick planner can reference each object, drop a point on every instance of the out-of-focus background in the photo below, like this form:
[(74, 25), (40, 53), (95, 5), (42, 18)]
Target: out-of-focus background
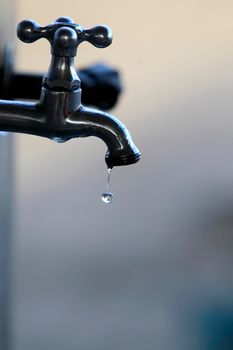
[(154, 270)]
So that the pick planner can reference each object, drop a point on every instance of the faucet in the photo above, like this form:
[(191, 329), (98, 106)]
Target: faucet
[(59, 114)]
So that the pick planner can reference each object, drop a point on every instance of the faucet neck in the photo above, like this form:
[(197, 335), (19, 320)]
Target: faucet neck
[(61, 75), (61, 92)]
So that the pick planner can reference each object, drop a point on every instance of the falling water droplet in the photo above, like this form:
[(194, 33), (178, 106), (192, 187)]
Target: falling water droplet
[(109, 177), (107, 196)]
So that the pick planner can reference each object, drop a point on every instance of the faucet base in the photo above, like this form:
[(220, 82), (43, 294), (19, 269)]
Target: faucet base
[(60, 103)]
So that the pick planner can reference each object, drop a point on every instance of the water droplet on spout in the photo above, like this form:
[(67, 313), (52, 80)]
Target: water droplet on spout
[(58, 139)]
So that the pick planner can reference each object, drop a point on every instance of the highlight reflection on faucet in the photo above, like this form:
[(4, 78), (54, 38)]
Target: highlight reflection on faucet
[(59, 114)]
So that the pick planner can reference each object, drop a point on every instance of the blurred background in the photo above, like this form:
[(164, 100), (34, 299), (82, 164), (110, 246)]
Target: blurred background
[(153, 270)]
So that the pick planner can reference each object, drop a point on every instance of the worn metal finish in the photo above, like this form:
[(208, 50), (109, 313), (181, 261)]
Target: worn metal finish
[(59, 114)]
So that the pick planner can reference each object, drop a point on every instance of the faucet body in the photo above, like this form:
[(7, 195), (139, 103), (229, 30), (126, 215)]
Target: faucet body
[(59, 114)]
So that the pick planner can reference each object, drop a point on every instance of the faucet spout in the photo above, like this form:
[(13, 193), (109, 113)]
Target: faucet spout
[(60, 116), (92, 122)]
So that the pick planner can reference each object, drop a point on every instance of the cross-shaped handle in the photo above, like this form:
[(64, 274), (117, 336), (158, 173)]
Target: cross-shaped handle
[(64, 35)]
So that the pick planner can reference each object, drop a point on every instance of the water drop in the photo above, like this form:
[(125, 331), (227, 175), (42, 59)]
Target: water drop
[(107, 196), (109, 177)]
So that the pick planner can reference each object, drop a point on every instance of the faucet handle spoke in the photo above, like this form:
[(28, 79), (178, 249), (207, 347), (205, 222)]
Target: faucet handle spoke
[(99, 36), (29, 31)]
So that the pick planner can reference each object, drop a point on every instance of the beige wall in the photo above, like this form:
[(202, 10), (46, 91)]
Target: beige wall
[(137, 274)]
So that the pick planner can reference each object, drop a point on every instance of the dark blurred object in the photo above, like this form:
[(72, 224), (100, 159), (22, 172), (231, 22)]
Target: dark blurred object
[(101, 86)]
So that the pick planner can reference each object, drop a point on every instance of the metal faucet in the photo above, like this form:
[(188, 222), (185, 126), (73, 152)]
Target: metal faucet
[(59, 114)]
